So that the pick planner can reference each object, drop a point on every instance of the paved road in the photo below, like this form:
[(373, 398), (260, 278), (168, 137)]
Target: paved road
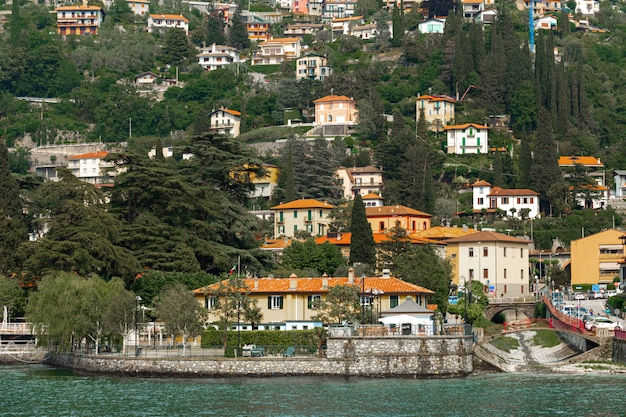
[(598, 307)]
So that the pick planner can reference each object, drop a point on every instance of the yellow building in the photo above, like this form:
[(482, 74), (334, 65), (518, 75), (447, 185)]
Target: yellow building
[(596, 258), (294, 298)]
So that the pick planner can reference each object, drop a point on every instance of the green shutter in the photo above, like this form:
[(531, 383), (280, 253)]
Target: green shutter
[(280, 216), (463, 142), (281, 302), (310, 302), (309, 214), (269, 302)]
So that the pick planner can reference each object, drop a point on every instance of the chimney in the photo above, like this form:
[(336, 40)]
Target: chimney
[(256, 283), (325, 283), (386, 273), (351, 276), (293, 284)]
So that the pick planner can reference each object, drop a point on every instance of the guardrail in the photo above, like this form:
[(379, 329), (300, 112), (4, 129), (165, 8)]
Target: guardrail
[(16, 328)]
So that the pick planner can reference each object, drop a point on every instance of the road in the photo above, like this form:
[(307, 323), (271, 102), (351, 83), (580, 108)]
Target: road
[(598, 307)]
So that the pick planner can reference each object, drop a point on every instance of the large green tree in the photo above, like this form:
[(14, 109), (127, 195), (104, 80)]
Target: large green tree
[(324, 258), (362, 245), (341, 305)]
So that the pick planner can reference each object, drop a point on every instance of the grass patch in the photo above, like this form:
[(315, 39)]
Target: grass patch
[(272, 133), (546, 338), (505, 343)]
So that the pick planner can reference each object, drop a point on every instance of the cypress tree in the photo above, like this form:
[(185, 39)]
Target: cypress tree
[(238, 34), (498, 175), (525, 163), (545, 171), (362, 246)]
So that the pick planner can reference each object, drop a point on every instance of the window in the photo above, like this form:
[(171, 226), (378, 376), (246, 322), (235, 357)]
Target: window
[(393, 301), (280, 216), (209, 303), (309, 215), (414, 225), (485, 251), (504, 252), (321, 214), (281, 230), (471, 274), (505, 289), (505, 200), (365, 300), (505, 274), (521, 252), (314, 301), (485, 273), (295, 214), (471, 252), (275, 302), (381, 226), (295, 228), (521, 274), (481, 201), (309, 228)]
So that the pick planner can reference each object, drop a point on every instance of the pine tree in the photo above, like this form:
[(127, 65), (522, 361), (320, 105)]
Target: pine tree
[(12, 228), (238, 33), (362, 246), (215, 29), (158, 148)]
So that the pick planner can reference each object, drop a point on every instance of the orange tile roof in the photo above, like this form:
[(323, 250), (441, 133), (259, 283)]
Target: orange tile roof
[(465, 126), (347, 19), (92, 155), (389, 285), (394, 211), (275, 244), (304, 203), (280, 40), (328, 99), (170, 16), (364, 170), (79, 7), (345, 239), (592, 187), (341, 239), (581, 160), (497, 191), (372, 196), (486, 236), (481, 183), (441, 232), (436, 98), (233, 112)]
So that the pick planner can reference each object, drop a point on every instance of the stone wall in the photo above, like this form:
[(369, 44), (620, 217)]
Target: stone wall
[(369, 356), (619, 350)]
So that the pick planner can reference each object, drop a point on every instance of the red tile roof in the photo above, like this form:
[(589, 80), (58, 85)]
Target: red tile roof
[(481, 183), (513, 192), (329, 99), (345, 239), (170, 17), (436, 98), (372, 196), (92, 155), (465, 126), (389, 285)]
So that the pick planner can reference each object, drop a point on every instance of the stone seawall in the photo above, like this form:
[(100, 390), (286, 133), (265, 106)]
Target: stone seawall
[(418, 357)]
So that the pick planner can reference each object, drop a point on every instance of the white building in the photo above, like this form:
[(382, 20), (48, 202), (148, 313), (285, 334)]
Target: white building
[(587, 7), (360, 180), (277, 50), (92, 168), (467, 138), (432, 26), (225, 121), (619, 178), (217, 56), (513, 202), (167, 21), (313, 67), (139, 7)]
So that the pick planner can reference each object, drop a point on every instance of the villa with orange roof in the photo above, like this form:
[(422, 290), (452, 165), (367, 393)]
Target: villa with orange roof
[(92, 168), (344, 25), (498, 261), (217, 56), (360, 180), (373, 200), (381, 219), (225, 121), (591, 196), (294, 299), (307, 215), (343, 239), (467, 138), (593, 167), (275, 51), (335, 109), (438, 110), (168, 21), (520, 203), (79, 19)]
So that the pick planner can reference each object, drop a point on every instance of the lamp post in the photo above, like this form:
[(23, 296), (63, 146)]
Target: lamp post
[(465, 288), (137, 301), (536, 288), (363, 300)]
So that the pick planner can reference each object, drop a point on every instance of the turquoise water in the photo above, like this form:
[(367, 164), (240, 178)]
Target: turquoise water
[(42, 391)]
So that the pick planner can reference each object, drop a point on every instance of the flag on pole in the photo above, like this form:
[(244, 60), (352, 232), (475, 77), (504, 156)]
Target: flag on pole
[(233, 269)]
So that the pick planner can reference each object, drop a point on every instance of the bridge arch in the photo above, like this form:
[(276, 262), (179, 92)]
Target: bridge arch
[(521, 310)]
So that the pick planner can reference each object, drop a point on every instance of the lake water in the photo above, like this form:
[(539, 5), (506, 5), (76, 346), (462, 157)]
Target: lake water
[(37, 390)]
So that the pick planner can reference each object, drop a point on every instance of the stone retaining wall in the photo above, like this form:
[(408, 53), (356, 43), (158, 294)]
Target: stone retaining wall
[(370, 356)]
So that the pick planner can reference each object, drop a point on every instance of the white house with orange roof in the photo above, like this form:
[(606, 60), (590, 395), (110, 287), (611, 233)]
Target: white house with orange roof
[(590, 165), (498, 261), (434, 25), (92, 168), (360, 180), (139, 7), (168, 21), (225, 121), (275, 51), (335, 109), (217, 56), (591, 196), (284, 300), (472, 7), (438, 110), (468, 138), (519, 202), (309, 215), (373, 200), (344, 25), (381, 219), (79, 19)]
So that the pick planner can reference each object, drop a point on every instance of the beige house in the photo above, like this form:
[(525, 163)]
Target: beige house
[(275, 51), (309, 215), (360, 180), (596, 258), (225, 121), (438, 110), (498, 261), (312, 67), (294, 299), (335, 110)]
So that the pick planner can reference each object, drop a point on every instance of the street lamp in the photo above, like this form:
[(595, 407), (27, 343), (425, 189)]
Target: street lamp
[(465, 288), (137, 301), (536, 287), (363, 300)]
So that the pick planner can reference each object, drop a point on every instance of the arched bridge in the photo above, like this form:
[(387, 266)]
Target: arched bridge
[(522, 309)]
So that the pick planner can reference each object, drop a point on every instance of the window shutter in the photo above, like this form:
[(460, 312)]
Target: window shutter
[(310, 302), (281, 302), (269, 302)]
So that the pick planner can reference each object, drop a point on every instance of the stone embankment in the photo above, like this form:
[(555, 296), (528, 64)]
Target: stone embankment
[(417, 357)]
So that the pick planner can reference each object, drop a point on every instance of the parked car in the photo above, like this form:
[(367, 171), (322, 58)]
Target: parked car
[(602, 323), (611, 293), (453, 299), (579, 296), (597, 295)]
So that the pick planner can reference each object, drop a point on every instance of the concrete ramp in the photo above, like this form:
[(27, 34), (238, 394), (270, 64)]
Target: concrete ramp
[(527, 356)]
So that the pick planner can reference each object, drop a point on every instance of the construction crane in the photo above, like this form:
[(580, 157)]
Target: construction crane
[(467, 91)]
